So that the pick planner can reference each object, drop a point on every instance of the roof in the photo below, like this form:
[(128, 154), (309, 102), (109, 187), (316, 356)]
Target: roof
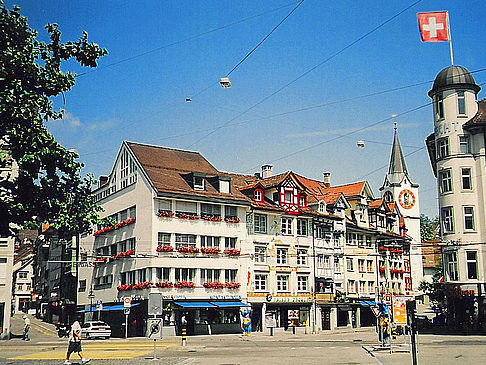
[(349, 190), (166, 168), (453, 77), (478, 122)]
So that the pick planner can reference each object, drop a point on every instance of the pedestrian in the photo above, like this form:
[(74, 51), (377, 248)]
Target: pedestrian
[(75, 344), (26, 328)]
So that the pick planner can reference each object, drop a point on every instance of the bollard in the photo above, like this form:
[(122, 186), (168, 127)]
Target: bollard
[(293, 330), (271, 331), (184, 337)]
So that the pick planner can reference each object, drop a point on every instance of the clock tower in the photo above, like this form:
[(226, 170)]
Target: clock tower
[(399, 187)]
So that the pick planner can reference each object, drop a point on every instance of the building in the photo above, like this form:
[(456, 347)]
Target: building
[(398, 187), (22, 299), (457, 154), (177, 227)]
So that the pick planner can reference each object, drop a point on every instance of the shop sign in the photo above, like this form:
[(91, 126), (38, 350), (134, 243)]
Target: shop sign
[(174, 297), (464, 293), (400, 309), (283, 268), (214, 297), (291, 299)]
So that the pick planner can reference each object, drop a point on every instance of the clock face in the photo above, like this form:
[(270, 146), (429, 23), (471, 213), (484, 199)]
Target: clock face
[(406, 199)]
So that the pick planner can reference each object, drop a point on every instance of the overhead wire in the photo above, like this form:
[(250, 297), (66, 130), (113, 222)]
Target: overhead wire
[(307, 72)]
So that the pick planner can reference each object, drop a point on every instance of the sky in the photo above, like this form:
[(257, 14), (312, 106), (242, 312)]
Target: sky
[(331, 74)]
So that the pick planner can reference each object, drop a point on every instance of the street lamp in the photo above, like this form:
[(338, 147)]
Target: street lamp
[(91, 297)]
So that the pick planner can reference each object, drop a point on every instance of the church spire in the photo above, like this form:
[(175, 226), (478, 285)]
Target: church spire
[(397, 161)]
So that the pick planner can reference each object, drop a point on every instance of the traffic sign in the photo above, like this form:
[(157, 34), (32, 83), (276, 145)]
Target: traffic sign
[(127, 302), (126, 310), (387, 298), (375, 311)]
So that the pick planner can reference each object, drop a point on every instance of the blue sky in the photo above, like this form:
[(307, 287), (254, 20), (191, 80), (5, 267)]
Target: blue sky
[(304, 127)]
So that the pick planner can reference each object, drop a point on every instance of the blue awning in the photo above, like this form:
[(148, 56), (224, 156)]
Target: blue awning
[(230, 304), (195, 305), (367, 303), (117, 307)]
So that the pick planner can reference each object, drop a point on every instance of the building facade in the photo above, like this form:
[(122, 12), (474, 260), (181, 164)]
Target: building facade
[(457, 154)]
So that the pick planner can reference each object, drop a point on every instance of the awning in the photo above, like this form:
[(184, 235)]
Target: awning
[(367, 303), (117, 307), (230, 304), (195, 304)]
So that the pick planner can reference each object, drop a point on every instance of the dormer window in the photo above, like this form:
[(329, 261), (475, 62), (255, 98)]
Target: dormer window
[(322, 207), (198, 183), (302, 202), (258, 195)]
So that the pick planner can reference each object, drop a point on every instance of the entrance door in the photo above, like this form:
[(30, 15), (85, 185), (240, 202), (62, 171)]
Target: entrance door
[(326, 318)]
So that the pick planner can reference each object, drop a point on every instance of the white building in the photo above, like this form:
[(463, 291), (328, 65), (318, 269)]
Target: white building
[(457, 154)]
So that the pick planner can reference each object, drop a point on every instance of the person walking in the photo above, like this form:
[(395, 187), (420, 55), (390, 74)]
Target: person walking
[(75, 344), (26, 328)]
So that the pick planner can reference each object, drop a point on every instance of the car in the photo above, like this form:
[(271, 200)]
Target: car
[(422, 322), (95, 329)]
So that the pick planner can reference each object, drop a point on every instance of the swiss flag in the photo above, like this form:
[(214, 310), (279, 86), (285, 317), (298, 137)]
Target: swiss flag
[(434, 26)]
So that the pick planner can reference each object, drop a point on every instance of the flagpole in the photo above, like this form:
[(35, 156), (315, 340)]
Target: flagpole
[(450, 37)]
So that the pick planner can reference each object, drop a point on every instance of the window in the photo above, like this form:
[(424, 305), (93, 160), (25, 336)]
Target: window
[(23, 274), (261, 282), (211, 210), (210, 275), (469, 218), (142, 275), (123, 215), (361, 265), (464, 144), (230, 211), (185, 240), (301, 256), (445, 181), (466, 178), (448, 219), (186, 207), (289, 196), (229, 242), (337, 264), (198, 183), (371, 287), (224, 186), (164, 238), (362, 286), (258, 195), (439, 107), (369, 265), (451, 259), (326, 261), (302, 283), (282, 256), (442, 148), (322, 207), (230, 276), (185, 274), (282, 283), (360, 240), (302, 201), (260, 223), (163, 274), (302, 227), (286, 226), (472, 264), (461, 103), (349, 264), (210, 241), (82, 285), (260, 253), (351, 286), (368, 241)]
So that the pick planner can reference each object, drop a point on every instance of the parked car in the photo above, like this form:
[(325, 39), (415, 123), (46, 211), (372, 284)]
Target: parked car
[(95, 329), (422, 322)]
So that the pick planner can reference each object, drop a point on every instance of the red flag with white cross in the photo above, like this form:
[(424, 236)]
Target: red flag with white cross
[(434, 26)]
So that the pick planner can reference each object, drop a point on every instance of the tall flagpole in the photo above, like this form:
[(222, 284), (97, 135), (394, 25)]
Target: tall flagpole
[(450, 37)]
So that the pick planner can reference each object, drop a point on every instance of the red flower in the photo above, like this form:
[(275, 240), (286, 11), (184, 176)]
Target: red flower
[(188, 249), (213, 285), (232, 252), (164, 284), (184, 284), (210, 250), (165, 248), (165, 214), (232, 220), (125, 287), (230, 285), (117, 225)]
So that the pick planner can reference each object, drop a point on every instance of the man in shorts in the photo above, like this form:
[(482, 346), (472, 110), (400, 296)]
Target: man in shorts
[(75, 344)]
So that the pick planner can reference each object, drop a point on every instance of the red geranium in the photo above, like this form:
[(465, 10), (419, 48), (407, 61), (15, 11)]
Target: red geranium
[(232, 252)]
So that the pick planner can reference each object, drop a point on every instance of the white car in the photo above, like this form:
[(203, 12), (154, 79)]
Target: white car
[(95, 329)]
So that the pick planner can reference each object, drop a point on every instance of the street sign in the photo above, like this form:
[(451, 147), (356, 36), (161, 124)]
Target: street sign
[(375, 311), (155, 304), (126, 310), (99, 305), (154, 328), (127, 302), (387, 298)]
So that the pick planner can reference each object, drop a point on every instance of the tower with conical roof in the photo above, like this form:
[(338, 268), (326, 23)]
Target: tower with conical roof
[(399, 187)]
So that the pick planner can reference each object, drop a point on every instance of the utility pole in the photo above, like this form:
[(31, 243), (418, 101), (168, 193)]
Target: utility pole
[(411, 305)]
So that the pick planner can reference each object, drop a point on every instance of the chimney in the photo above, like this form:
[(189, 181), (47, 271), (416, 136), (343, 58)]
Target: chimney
[(103, 180), (267, 171), (257, 175), (327, 178)]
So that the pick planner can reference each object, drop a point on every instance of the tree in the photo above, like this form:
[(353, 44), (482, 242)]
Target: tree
[(429, 229), (49, 186), (435, 290)]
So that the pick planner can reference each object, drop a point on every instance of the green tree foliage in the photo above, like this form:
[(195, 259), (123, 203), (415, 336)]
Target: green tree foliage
[(429, 229), (435, 290), (49, 186)]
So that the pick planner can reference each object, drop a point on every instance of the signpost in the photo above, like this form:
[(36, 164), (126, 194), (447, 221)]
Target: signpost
[(127, 303)]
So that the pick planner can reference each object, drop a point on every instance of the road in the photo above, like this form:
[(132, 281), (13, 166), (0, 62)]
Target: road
[(340, 347)]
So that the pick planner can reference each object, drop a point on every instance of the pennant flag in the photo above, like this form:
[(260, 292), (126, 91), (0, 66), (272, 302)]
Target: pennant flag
[(434, 26)]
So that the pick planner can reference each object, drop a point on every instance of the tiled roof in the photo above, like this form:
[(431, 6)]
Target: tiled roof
[(375, 203), (166, 167), (479, 120), (349, 190)]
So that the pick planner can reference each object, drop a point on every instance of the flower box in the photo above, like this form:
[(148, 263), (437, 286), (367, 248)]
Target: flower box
[(116, 226), (100, 260), (188, 249), (232, 252), (382, 249), (212, 218), (123, 254), (230, 285), (213, 285), (210, 250), (144, 285), (187, 216), (165, 214), (232, 220), (184, 284), (165, 248), (125, 287), (164, 284)]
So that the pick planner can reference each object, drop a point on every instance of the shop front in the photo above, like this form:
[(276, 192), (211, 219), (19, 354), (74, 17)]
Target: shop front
[(284, 311)]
